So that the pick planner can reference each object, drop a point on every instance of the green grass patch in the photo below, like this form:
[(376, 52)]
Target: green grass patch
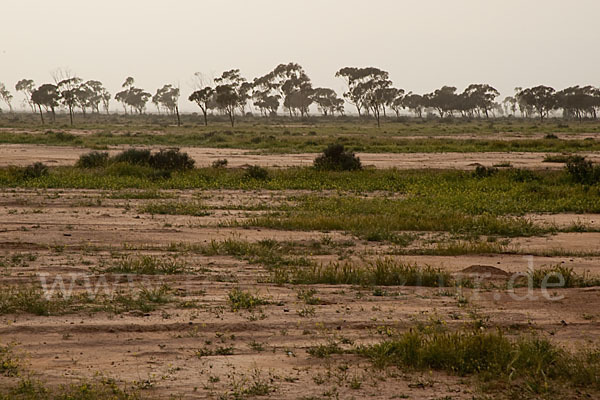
[(530, 364)]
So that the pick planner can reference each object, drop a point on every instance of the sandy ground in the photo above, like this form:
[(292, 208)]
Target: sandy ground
[(24, 154), (71, 233)]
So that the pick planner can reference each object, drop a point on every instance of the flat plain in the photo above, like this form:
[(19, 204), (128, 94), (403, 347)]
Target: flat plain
[(420, 276)]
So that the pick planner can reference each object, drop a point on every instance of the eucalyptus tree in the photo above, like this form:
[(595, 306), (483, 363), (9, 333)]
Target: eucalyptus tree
[(479, 98), (48, 96), (231, 93), (168, 98), (579, 102), (327, 101), (6, 96), (510, 105), (133, 97), (26, 86), (68, 89), (93, 94), (368, 89), (395, 100), (542, 98), (415, 103), (204, 98), (444, 100), (288, 82)]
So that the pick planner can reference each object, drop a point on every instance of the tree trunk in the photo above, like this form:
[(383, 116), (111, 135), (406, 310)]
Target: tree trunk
[(178, 119), (41, 113), (205, 118)]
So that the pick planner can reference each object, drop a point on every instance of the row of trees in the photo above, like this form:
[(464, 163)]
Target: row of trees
[(369, 90)]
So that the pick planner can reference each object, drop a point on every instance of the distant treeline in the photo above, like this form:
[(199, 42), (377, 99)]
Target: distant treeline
[(369, 90)]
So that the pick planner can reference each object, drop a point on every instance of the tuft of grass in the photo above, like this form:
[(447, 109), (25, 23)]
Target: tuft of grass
[(32, 300), (381, 272), (148, 265), (325, 350), (102, 389), (561, 276), (244, 300)]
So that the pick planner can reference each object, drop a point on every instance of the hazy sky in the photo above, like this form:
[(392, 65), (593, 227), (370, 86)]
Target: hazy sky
[(423, 44)]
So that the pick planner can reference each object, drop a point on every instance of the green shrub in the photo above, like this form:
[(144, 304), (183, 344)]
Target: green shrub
[(133, 156), (335, 158), (484, 172), (583, 171), (256, 172), (95, 159), (171, 160)]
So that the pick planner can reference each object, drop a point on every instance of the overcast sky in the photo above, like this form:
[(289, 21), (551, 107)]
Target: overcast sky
[(423, 44)]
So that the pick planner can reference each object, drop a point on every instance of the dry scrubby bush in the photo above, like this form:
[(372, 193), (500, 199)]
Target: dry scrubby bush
[(336, 158)]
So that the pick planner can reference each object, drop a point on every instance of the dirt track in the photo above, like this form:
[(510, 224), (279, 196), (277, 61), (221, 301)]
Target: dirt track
[(22, 155)]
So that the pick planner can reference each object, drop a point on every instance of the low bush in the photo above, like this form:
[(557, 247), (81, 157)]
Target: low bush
[(583, 171), (484, 172), (133, 156), (32, 171), (222, 163), (336, 158), (95, 159), (256, 172), (171, 160)]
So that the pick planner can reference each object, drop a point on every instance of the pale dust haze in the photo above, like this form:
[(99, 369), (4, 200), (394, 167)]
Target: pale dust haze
[(423, 44)]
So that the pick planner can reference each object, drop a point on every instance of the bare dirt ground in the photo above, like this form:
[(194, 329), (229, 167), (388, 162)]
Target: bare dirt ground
[(25, 154), (196, 346)]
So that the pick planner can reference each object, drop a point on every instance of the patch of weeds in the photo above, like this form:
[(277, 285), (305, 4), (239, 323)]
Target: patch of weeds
[(148, 265), (9, 363), (309, 297), (32, 300), (325, 350), (307, 311), (244, 300)]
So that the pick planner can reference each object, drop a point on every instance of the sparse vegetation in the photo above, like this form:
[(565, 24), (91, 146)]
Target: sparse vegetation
[(382, 272)]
